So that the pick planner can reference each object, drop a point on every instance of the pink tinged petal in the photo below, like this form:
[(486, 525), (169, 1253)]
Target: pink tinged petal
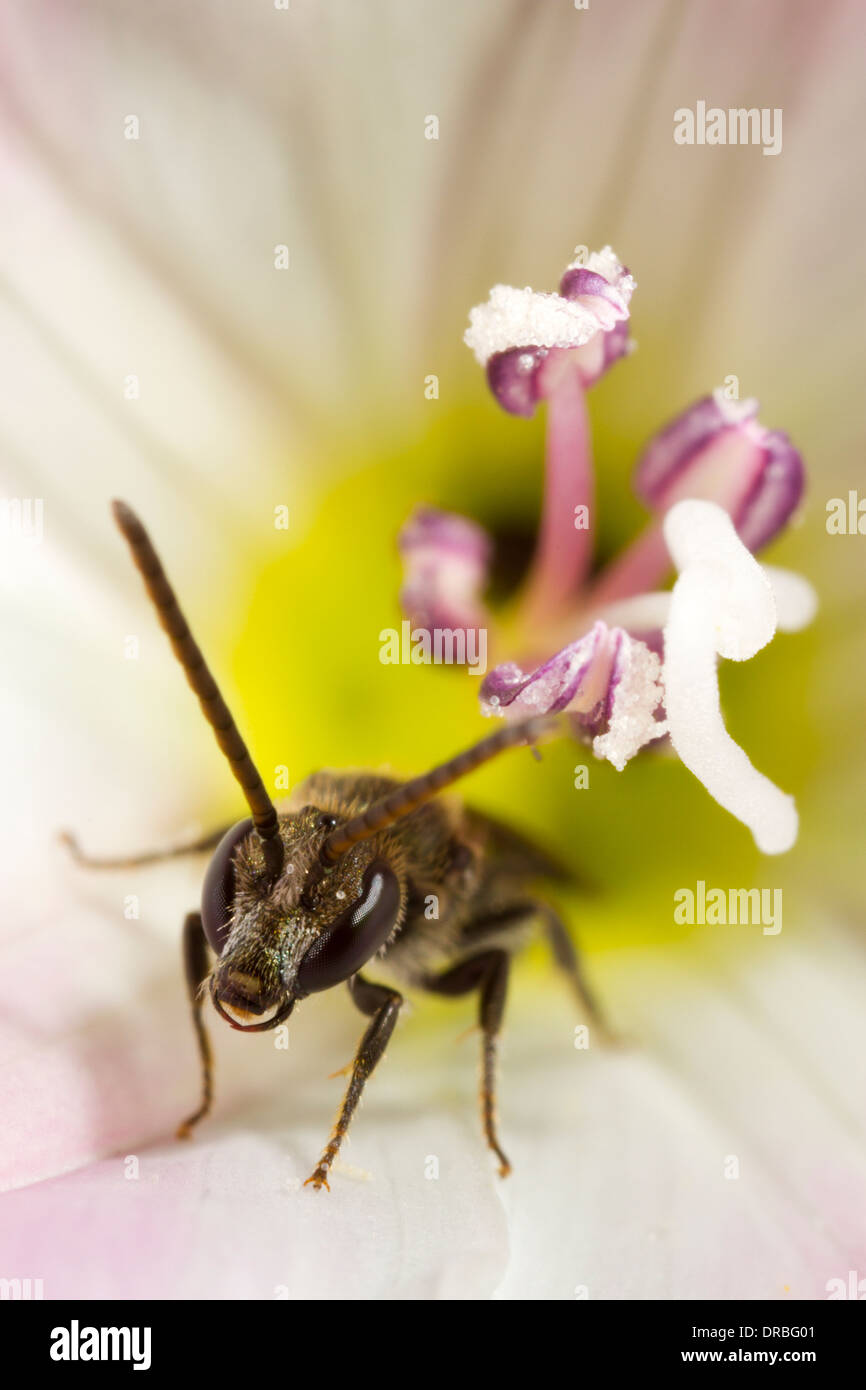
[(446, 559), (227, 1215), (722, 605), (512, 333), (609, 682), (718, 450)]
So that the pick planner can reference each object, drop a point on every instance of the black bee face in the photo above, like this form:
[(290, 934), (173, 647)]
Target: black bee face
[(245, 1001), (314, 926)]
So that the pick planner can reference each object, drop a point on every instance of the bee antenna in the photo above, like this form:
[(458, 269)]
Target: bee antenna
[(214, 707), (407, 797)]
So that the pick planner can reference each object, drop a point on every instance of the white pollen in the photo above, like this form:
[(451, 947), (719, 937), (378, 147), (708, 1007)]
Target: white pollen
[(514, 318), (635, 700)]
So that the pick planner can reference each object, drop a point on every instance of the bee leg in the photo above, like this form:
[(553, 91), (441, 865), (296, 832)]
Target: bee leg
[(137, 861), (488, 973), (383, 1006), (566, 957), (197, 967)]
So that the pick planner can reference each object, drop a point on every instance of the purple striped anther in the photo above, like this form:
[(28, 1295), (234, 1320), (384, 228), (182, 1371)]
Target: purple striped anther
[(513, 378), (446, 559), (607, 680), (592, 289), (717, 450)]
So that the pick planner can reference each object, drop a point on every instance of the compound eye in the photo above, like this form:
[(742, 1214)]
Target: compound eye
[(218, 890), (356, 934)]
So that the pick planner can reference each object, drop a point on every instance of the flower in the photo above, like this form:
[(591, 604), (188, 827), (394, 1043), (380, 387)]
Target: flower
[(721, 484), (303, 387)]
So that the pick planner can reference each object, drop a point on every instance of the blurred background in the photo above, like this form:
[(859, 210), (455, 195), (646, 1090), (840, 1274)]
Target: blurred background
[(151, 350)]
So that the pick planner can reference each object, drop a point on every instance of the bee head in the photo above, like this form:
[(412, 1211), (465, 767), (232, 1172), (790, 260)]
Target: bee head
[(313, 926), (293, 904)]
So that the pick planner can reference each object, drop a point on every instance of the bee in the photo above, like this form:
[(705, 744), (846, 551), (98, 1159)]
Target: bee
[(361, 875)]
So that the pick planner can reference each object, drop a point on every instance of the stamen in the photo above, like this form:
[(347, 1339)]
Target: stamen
[(512, 333), (446, 559), (608, 682), (719, 451), (565, 539)]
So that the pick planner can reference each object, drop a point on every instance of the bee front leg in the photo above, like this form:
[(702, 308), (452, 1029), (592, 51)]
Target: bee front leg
[(383, 1005), (197, 968), (488, 973)]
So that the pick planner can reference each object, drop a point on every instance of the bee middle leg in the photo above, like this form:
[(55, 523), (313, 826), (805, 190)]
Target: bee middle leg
[(383, 1005), (566, 957), (487, 973), (137, 861), (197, 968)]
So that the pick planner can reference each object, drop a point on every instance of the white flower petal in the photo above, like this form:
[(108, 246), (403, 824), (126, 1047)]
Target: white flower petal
[(722, 1069)]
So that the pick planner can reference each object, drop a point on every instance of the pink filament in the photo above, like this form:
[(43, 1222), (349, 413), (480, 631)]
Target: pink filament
[(563, 554)]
